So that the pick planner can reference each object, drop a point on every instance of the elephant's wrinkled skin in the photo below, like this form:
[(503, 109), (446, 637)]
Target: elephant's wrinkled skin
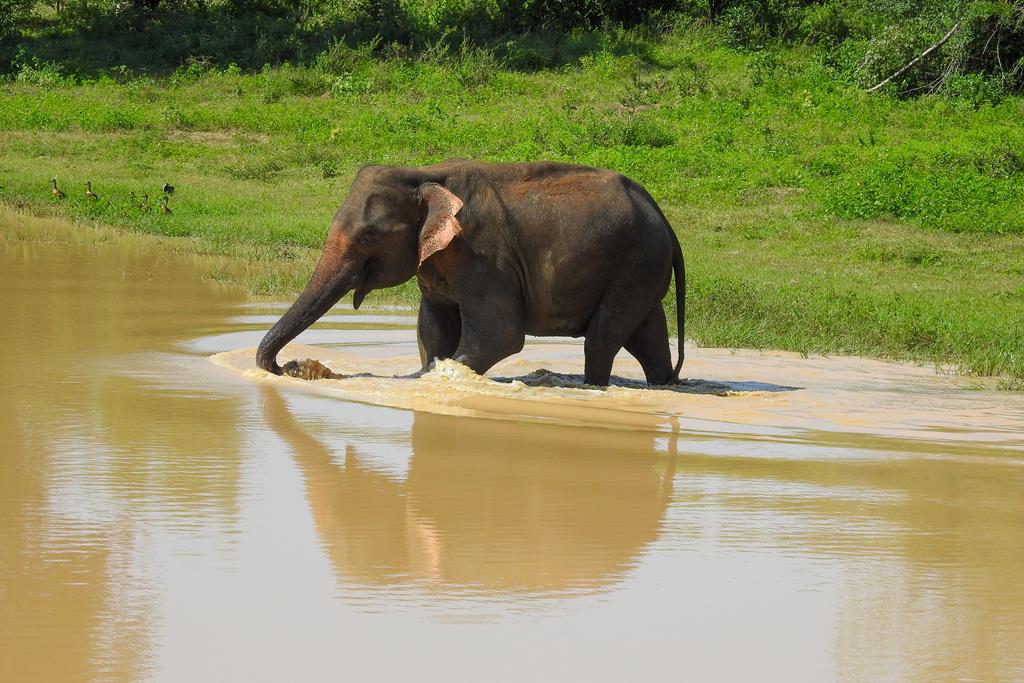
[(501, 251)]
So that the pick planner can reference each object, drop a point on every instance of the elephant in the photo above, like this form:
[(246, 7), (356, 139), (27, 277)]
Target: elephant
[(501, 251)]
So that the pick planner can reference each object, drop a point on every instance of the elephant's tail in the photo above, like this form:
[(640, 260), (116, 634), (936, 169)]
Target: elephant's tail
[(679, 269)]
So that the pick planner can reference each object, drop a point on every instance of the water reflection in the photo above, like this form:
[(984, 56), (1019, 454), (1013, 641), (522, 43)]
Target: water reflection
[(486, 505), (95, 434), (171, 449)]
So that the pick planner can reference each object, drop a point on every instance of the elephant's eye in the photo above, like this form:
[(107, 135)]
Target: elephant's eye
[(368, 235)]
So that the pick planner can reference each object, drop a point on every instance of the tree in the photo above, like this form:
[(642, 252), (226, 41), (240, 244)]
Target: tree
[(12, 14)]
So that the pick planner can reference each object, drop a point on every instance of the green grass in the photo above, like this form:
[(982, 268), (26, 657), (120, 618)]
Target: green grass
[(814, 217)]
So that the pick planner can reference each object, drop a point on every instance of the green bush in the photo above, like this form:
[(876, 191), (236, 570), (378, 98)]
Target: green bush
[(832, 23), (37, 72), (857, 41), (13, 14), (988, 43), (759, 22), (977, 89)]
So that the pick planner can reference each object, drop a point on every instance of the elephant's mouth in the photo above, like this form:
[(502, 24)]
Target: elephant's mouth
[(363, 287), (357, 297)]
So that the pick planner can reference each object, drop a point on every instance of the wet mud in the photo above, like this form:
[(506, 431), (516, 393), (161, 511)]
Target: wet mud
[(168, 512)]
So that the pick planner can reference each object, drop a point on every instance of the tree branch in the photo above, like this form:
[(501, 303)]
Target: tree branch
[(917, 59)]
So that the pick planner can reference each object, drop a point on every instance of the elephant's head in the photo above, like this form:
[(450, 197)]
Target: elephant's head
[(390, 223)]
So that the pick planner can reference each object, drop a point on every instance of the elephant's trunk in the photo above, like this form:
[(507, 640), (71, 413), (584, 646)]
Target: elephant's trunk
[(306, 310), (324, 290)]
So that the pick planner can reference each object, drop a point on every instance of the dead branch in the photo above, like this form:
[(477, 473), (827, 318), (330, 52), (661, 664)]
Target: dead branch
[(917, 59)]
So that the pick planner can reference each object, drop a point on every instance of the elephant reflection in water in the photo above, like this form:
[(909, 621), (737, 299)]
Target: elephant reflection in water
[(486, 504)]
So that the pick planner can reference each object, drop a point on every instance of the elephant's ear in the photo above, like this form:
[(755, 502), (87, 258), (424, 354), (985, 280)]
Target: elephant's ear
[(440, 226)]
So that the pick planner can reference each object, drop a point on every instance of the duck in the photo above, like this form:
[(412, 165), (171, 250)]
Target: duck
[(56, 191), (145, 203), (166, 208), (89, 194), (168, 188)]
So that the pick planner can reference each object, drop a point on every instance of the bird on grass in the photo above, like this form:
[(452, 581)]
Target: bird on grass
[(56, 191), (168, 188), (89, 194), (166, 208), (145, 203)]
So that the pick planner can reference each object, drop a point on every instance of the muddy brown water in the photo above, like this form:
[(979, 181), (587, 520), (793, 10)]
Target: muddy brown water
[(169, 513)]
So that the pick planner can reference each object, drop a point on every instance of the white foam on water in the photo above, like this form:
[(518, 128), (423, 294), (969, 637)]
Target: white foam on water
[(771, 394)]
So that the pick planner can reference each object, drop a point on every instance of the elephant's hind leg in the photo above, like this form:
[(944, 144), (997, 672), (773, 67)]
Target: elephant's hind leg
[(627, 317), (598, 359), (649, 345), (610, 326)]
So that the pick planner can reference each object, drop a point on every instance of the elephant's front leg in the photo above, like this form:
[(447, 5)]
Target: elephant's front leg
[(438, 329), (492, 330)]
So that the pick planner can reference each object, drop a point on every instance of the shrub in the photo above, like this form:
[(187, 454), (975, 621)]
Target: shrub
[(37, 72), (756, 23), (860, 41), (832, 23)]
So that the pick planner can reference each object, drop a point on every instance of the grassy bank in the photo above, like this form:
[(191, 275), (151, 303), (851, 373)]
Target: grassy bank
[(814, 217)]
